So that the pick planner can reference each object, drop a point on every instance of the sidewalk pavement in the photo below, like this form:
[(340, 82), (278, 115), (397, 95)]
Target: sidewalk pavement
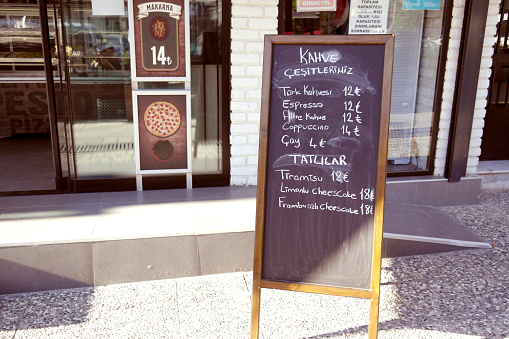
[(463, 294)]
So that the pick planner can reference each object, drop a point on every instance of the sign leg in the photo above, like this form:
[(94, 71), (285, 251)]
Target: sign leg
[(139, 183), (373, 317), (255, 311)]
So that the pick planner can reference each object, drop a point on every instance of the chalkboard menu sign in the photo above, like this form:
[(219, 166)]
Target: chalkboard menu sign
[(323, 149)]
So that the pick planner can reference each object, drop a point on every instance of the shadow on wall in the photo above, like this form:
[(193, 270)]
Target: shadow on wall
[(38, 280)]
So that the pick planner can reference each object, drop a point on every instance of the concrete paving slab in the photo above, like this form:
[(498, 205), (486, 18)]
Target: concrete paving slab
[(47, 224), (143, 221)]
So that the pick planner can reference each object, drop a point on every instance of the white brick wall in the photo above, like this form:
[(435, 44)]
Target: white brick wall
[(449, 83), (251, 20), (482, 87)]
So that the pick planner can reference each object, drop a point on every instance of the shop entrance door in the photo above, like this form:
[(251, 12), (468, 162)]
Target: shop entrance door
[(94, 88), (495, 140), (26, 157)]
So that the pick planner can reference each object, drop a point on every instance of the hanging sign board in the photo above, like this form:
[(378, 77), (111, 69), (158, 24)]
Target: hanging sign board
[(163, 131), (322, 166), (161, 40), (316, 5), (368, 17)]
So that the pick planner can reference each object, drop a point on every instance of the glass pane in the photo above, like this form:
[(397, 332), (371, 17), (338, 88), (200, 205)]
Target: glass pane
[(26, 155), (206, 86), (98, 65), (96, 46), (418, 40), (20, 41), (98, 56)]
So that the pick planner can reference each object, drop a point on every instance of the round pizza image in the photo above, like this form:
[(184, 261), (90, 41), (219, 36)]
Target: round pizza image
[(162, 119)]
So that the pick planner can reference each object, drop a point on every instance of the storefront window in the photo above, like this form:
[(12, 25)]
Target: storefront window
[(418, 41), (97, 64), (96, 69), (207, 85)]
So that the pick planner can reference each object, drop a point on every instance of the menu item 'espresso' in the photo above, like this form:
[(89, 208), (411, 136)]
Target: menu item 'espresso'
[(162, 119), (163, 150)]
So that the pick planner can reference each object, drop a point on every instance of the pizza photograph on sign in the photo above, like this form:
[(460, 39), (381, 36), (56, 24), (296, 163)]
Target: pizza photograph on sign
[(162, 119), (162, 132), (160, 38)]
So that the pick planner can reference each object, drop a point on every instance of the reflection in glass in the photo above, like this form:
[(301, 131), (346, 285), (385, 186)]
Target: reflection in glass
[(26, 152), (98, 67), (206, 86), (21, 41)]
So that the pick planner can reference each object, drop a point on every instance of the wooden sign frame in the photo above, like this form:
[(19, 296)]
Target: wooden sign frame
[(183, 70), (259, 282)]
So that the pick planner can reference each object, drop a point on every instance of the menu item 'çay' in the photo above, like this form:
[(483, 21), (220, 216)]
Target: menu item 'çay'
[(162, 119)]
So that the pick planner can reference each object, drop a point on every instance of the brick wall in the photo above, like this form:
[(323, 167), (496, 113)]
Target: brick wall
[(449, 83), (482, 90), (251, 20), (482, 87)]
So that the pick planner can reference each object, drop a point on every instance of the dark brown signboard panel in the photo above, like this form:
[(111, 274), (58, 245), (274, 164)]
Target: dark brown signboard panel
[(323, 149), (163, 131), (160, 38)]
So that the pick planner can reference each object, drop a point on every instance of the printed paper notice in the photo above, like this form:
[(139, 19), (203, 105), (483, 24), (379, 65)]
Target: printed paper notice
[(368, 16)]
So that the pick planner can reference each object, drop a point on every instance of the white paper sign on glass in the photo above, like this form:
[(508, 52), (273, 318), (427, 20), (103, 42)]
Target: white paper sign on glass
[(110, 7), (368, 17)]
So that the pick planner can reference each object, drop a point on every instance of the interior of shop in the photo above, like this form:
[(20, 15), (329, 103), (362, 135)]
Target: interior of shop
[(26, 159)]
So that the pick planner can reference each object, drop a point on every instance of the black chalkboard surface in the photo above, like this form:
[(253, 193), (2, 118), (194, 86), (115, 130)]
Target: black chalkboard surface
[(322, 166), (322, 163)]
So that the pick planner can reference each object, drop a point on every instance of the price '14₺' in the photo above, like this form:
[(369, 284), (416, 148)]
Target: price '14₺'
[(160, 56)]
